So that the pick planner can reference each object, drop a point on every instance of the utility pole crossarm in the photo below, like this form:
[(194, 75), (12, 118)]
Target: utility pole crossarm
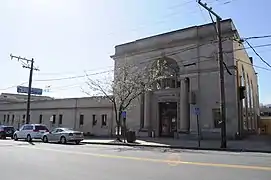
[(20, 58), (209, 9)]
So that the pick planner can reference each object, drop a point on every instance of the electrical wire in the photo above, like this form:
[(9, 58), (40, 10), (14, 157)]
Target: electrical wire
[(202, 61), (148, 59), (257, 54), (14, 86), (164, 19), (71, 77), (257, 37), (61, 73)]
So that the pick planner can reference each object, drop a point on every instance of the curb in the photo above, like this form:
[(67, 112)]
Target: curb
[(179, 147)]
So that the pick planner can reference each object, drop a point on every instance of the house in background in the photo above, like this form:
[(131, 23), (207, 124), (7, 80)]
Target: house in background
[(191, 83), (265, 120)]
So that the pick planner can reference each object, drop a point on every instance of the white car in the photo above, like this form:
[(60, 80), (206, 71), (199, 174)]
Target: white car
[(63, 135), (30, 131)]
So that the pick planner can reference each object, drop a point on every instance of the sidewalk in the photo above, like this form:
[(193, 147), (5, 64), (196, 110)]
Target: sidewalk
[(251, 144)]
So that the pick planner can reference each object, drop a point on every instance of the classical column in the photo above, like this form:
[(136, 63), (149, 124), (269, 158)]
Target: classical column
[(184, 106), (147, 109)]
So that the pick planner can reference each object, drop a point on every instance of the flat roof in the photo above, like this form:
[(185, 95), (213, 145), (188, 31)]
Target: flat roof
[(172, 32)]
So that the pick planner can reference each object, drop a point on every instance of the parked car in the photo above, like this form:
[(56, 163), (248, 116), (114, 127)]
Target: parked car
[(6, 131), (63, 135), (30, 131)]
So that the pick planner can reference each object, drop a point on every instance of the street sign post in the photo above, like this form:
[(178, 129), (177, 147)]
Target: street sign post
[(23, 89), (124, 123), (123, 114), (197, 112)]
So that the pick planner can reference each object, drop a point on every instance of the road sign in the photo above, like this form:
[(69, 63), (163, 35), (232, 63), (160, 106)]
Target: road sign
[(23, 89), (124, 114), (196, 111)]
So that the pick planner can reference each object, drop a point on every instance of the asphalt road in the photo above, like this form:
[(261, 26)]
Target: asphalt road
[(24, 161)]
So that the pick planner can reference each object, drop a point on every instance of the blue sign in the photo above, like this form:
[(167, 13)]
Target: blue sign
[(124, 114), (23, 89), (196, 111)]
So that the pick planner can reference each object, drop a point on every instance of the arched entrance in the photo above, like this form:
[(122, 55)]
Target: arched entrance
[(168, 69)]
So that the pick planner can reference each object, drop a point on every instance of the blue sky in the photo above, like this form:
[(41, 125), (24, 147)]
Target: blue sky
[(68, 37)]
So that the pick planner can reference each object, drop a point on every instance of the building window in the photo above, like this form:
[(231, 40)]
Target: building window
[(104, 120), (4, 118), (12, 119), (216, 117), (8, 119), (60, 117), (94, 120), (54, 119), (40, 118), (23, 121), (81, 119), (265, 113)]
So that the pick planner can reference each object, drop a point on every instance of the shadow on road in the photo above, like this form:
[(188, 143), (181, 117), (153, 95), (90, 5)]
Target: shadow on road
[(31, 143)]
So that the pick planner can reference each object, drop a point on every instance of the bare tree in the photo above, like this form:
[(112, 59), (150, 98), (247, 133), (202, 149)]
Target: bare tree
[(128, 84)]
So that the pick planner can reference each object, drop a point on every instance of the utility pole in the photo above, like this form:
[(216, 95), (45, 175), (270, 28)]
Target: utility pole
[(221, 75), (32, 68)]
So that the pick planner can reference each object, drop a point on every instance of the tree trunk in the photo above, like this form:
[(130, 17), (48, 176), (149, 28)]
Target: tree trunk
[(124, 129), (118, 120)]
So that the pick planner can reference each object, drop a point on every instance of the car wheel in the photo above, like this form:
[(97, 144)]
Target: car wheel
[(63, 140), (15, 137), (77, 142), (28, 138), (45, 139)]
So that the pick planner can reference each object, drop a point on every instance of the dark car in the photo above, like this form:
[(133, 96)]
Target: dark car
[(6, 131)]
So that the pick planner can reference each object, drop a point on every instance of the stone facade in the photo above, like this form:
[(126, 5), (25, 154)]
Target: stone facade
[(195, 83)]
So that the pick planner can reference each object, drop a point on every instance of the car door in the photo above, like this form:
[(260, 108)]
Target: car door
[(52, 134), (28, 130), (58, 134), (21, 132)]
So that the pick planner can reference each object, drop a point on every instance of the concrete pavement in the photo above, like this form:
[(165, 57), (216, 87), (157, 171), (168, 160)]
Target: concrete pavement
[(251, 144), (21, 160)]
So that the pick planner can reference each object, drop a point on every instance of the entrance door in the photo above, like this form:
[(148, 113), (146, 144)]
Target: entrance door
[(167, 119)]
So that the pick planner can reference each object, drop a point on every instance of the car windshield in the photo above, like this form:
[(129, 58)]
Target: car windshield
[(8, 128), (67, 129)]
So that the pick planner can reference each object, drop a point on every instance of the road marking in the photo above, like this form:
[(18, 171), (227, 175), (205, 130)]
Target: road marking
[(173, 158), (236, 166)]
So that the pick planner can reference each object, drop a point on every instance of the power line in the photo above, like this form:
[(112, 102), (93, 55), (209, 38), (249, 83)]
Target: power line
[(153, 58), (14, 86), (257, 37), (71, 77), (144, 25), (257, 54), (210, 58), (61, 73)]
